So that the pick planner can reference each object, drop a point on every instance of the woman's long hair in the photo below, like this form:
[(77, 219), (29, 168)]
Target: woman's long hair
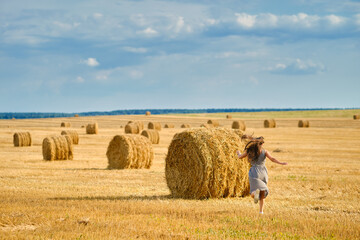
[(253, 147)]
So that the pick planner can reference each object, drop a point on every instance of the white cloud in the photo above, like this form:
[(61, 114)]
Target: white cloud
[(92, 62), (357, 19), (148, 31), (79, 79), (135, 74), (245, 20), (135, 50), (97, 15), (66, 26), (297, 67), (335, 20), (254, 80)]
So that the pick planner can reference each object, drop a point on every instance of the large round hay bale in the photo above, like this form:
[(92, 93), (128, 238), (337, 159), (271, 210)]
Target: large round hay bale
[(154, 125), (215, 123), (57, 148), (65, 124), (303, 124), (185, 125), (357, 116), (239, 124), (169, 125), (202, 163), (228, 116), (206, 125), (129, 151), (92, 128), (148, 113), (270, 123), (152, 135), (73, 134), (22, 139)]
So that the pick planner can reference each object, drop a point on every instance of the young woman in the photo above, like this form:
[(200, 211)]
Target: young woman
[(258, 175)]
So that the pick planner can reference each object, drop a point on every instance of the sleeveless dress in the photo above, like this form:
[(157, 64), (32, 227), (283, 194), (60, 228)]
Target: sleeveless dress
[(258, 175)]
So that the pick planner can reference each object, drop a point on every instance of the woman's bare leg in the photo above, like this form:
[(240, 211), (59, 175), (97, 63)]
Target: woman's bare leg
[(262, 200)]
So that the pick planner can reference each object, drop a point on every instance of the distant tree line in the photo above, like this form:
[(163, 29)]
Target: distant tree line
[(25, 115)]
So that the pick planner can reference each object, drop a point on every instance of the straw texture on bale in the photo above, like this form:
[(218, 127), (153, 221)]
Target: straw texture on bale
[(73, 135), (152, 135), (129, 151), (303, 124), (169, 125), (57, 148), (92, 128), (239, 125), (148, 113), (228, 116), (65, 124), (22, 139), (202, 163), (215, 123), (185, 125), (269, 123), (154, 125), (356, 117), (206, 125)]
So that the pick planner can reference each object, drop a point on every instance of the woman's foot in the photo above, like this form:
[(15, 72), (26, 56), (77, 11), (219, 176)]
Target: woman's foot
[(256, 195)]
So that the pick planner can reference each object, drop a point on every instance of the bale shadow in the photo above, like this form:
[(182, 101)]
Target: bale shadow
[(118, 198)]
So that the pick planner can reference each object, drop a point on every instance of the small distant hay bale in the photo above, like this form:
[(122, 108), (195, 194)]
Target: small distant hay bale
[(57, 148), (270, 123), (82, 126), (303, 124), (169, 125), (239, 124), (148, 113), (202, 163), (65, 124), (92, 128), (73, 135), (357, 116), (129, 151), (206, 125), (22, 139), (152, 135), (154, 125), (215, 123), (185, 125), (76, 115), (228, 116)]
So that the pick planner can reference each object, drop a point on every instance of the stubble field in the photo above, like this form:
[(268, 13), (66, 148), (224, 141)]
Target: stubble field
[(316, 196)]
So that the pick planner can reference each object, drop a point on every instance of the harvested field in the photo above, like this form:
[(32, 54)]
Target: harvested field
[(315, 197)]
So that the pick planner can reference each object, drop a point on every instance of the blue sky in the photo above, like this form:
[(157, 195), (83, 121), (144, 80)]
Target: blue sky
[(75, 56)]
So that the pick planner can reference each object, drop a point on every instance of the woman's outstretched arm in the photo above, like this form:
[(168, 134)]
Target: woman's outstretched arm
[(241, 155), (274, 159)]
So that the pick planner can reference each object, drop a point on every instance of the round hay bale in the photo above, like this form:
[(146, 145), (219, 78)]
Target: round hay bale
[(22, 139), (228, 116), (73, 135), (151, 134), (303, 124), (206, 125), (270, 123), (132, 128), (154, 125), (185, 125), (76, 115), (82, 126), (239, 125), (169, 125), (92, 128), (57, 148), (129, 151), (357, 116), (215, 123), (148, 113), (139, 123), (202, 163), (65, 124)]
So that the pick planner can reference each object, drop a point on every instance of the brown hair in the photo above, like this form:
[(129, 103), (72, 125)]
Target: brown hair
[(253, 147)]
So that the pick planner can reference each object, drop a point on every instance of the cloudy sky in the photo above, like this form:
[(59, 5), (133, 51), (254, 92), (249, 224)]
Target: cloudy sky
[(75, 56)]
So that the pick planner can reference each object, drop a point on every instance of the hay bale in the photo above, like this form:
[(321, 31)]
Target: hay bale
[(185, 125), (215, 123), (57, 148), (154, 125), (148, 113), (303, 124), (133, 128), (357, 116), (270, 123), (239, 124), (169, 125), (65, 124), (73, 134), (206, 125), (202, 163), (92, 128), (22, 139), (140, 123), (228, 116), (152, 135), (76, 115), (129, 151)]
